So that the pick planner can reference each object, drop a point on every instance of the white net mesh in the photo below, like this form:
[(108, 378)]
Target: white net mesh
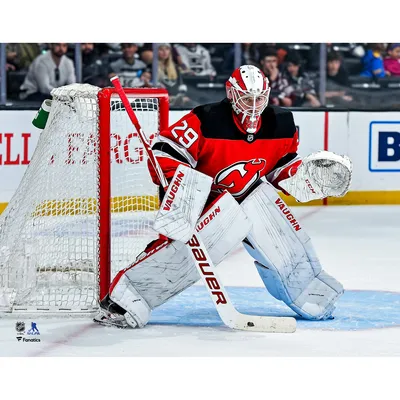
[(49, 233)]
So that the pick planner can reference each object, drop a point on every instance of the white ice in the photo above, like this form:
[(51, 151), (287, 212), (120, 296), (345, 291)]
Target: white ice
[(359, 245)]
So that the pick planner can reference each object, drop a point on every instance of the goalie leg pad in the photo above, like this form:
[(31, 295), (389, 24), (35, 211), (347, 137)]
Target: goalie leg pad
[(137, 310), (317, 300), (168, 268), (162, 273), (285, 258)]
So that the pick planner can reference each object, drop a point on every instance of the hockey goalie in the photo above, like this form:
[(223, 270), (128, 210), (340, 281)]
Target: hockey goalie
[(224, 163)]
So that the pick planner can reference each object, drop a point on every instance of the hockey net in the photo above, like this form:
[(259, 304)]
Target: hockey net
[(85, 206)]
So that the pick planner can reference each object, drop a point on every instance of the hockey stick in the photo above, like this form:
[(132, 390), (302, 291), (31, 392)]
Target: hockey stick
[(205, 267)]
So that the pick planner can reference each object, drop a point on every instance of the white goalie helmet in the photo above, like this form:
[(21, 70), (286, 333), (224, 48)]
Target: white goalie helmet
[(248, 91)]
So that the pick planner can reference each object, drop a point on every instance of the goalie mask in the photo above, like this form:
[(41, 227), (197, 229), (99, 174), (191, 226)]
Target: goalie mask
[(248, 91)]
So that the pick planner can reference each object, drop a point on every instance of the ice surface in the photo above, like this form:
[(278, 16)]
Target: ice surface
[(356, 244)]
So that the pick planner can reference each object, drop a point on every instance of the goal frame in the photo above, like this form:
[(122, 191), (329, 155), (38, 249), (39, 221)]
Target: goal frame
[(104, 161)]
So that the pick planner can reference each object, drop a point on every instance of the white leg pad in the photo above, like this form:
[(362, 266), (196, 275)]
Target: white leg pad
[(125, 295), (316, 301), (285, 258), (169, 269)]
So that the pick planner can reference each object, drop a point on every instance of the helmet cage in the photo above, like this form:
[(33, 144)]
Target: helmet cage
[(250, 108)]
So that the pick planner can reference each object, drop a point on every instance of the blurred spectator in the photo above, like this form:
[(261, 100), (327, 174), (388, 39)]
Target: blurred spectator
[(93, 69), (129, 68), (335, 70), (280, 49), (304, 93), (280, 88), (336, 79), (314, 54), (89, 55), (21, 55), (312, 58), (195, 60), (250, 55), (372, 61), (10, 67), (170, 78), (145, 78), (392, 62), (146, 53), (281, 52), (48, 71)]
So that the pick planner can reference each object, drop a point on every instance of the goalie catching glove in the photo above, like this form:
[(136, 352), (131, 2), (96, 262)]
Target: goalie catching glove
[(321, 174)]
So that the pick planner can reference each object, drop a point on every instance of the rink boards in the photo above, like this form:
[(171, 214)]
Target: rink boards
[(370, 139)]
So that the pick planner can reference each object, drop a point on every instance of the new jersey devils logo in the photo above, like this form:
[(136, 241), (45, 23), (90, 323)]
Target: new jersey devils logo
[(239, 177)]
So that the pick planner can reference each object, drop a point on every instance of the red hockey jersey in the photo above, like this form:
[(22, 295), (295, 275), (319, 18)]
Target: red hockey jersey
[(208, 139)]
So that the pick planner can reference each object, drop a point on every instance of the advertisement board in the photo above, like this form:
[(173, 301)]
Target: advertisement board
[(370, 139)]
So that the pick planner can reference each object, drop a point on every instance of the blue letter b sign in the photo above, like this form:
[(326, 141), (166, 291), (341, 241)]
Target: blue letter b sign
[(389, 146)]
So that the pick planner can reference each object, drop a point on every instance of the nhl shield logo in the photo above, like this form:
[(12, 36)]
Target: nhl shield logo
[(250, 138), (20, 327)]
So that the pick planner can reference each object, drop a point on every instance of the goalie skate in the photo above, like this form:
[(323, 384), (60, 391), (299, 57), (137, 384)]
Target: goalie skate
[(111, 314), (107, 318)]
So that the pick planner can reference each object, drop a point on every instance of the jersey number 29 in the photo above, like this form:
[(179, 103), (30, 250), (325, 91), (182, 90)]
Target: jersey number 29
[(188, 137)]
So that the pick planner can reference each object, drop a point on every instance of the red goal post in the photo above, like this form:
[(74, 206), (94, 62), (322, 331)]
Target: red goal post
[(104, 97)]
